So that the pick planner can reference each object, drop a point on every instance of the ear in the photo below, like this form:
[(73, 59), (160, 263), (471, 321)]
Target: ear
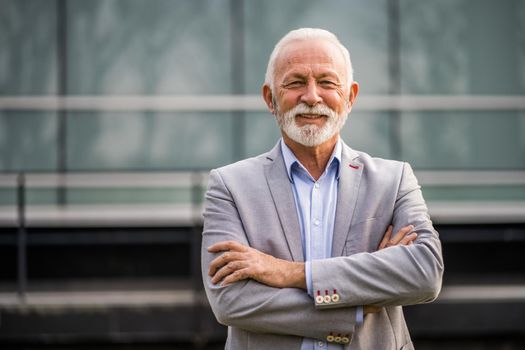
[(354, 89), (268, 98)]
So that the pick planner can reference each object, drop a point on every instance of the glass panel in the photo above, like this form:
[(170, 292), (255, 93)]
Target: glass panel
[(8, 195), (463, 47), (28, 47), (27, 141), (464, 140), (149, 141), (362, 26), (262, 133), (368, 132), (130, 196), (149, 47), (474, 193), (94, 195)]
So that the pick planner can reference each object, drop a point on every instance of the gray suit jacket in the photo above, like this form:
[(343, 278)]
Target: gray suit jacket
[(252, 202)]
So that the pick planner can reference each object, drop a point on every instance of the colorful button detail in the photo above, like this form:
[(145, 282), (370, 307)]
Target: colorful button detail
[(319, 298)]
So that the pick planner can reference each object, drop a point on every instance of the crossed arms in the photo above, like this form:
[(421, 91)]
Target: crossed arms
[(239, 262), (261, 293)]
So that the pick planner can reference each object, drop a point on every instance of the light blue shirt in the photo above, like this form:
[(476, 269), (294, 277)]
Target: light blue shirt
[(315, 202)]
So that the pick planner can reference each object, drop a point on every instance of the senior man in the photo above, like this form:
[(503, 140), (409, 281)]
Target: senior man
[(298, 250)]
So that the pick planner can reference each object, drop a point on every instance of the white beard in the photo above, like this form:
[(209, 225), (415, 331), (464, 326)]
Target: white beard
[(311, 135)]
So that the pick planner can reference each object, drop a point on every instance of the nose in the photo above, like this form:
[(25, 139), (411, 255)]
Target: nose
[(311, 96)]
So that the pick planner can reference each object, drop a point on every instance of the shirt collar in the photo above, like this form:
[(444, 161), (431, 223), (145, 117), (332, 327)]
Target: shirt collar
[(290, 159)]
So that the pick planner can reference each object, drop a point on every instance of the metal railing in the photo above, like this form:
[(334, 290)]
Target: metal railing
[(255, 103), (66, 213), (22, 240), (61, 182)]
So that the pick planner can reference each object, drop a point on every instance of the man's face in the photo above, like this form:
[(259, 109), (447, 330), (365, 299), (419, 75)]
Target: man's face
[(311, 98)]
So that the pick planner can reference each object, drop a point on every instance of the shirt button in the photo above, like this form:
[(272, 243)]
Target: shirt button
[(316, 185), (316, 222), (320, 344)]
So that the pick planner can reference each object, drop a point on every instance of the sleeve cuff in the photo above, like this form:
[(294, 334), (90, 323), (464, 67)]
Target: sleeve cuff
[(359, 315), (308, 275)]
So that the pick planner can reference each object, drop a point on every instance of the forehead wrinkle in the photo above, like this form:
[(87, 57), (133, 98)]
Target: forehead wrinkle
[(317, 71), (298, 59), (322, 54)]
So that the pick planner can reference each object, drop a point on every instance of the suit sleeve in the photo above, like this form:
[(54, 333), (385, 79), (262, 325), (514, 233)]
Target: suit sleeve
[(251, 305), (399, 275)]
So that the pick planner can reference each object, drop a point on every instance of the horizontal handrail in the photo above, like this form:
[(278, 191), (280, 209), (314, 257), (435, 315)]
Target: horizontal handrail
[(470, 177), (476, 212), (167, 215), (108, 179), (185, 296), (255, 103), (482, 293), (187, 178), (105, 215)]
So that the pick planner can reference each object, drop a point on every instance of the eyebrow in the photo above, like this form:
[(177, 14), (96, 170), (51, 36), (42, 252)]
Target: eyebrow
[(294, 75), (297, 75), (330, 75)]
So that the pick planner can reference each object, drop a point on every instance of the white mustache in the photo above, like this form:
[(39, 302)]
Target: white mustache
[(317, 109)]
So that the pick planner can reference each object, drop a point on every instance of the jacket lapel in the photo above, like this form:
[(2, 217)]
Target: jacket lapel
[(284, 201), (350, 173)]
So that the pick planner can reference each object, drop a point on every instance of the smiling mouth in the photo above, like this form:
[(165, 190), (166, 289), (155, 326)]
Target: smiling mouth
[(311, 116)]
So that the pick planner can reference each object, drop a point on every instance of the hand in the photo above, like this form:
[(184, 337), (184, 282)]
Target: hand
[(405, 236), (239, 262)]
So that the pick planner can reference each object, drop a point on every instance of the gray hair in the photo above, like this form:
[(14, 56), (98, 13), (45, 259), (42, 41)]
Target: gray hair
[(305, 34)]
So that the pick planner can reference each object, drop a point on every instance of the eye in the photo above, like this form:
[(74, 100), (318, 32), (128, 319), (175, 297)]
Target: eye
[(328, 84), (293, 84)]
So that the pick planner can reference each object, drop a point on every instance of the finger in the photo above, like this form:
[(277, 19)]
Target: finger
[(222, 260), (227, 270), (386, 237), (238, 275), (226, 245), (400, 234), (408, 239)]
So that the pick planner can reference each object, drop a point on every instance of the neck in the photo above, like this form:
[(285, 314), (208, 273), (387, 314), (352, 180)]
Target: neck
[(315, 158)]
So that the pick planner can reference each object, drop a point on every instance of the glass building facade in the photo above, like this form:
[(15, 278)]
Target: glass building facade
[(452, 52)]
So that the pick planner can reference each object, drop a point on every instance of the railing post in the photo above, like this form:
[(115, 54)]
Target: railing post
[(394, 71), (238, 71), (62, 113), (22, 238)]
